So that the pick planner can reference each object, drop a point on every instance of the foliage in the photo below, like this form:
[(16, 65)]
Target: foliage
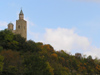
[(1, 48), (1, 63), (21, 57), (35, 65)]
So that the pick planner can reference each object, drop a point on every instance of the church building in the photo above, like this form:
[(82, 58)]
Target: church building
[(21, 26)]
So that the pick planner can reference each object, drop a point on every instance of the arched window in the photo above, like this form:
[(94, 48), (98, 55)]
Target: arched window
[(19, 26)]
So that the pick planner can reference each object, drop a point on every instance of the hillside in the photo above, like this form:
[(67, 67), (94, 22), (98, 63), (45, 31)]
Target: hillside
[(20, 57)]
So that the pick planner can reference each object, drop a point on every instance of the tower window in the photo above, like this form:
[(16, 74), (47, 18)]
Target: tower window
[(18, 26)]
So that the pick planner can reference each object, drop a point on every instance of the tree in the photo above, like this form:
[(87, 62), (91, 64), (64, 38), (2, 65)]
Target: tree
[(35, 65), (6, 37), (12, 62), (31, 46), (59, 69), (1, 63), (89, 57), (54, 56), (1, 48), (49, 48)]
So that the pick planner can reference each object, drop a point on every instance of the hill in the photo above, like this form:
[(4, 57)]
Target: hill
[(20, 57)]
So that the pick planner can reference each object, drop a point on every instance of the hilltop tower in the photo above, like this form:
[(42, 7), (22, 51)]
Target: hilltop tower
[(21, 26), (10, 26)]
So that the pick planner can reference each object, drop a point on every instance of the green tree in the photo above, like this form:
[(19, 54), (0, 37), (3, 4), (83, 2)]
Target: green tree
[(12, 62), (30, 46), (35, 65), (1, 63), (6, 37), (1, 48)]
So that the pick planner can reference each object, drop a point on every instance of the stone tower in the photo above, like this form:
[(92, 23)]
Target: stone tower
[(21, 26), (10, 26)]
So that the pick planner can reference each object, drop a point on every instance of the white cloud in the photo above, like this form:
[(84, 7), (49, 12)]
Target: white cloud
[(94, 51), (67, 39), (3, 25)]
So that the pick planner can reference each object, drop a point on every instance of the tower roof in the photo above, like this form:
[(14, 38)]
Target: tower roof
[(21, 12), (10, 23)]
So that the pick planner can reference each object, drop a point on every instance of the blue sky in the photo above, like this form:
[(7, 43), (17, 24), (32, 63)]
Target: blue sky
[(71, 25)]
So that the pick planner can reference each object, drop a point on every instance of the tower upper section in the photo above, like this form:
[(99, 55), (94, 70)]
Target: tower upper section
[(10, 26), (21, 25), (21, 15)]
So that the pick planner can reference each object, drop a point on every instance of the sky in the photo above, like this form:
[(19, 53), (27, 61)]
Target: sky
[(69, 25)]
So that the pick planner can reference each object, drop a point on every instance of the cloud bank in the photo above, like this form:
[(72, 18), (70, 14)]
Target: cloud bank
[(68, 40)]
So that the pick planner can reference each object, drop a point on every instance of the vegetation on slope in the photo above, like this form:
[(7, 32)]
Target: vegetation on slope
[(20, 57)]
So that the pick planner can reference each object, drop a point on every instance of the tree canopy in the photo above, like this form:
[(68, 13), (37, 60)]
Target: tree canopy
[(21, 57)]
